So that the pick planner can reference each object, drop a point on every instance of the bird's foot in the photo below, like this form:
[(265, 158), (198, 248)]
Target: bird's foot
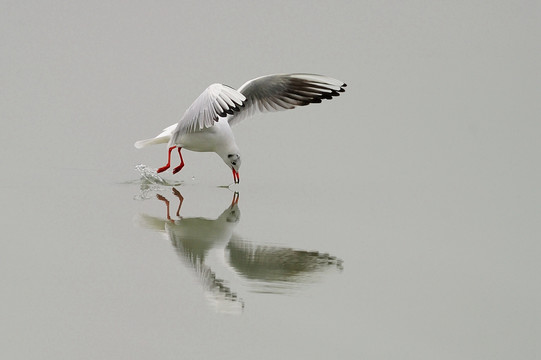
[(178, 168), (162, 169)]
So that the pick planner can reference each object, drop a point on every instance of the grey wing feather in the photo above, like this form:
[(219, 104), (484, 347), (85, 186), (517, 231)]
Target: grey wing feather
[(283, 92), (216, 101)]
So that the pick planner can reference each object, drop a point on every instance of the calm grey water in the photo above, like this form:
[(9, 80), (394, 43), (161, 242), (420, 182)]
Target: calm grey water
[(398, 221)]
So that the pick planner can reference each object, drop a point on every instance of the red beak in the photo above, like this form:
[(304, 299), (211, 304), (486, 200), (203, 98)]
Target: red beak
[(236, 177)]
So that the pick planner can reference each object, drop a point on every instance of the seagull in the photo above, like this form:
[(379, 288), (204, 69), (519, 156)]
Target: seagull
[(206, 124)]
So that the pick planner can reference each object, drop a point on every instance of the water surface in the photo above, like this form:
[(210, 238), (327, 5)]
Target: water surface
[(398, 221)]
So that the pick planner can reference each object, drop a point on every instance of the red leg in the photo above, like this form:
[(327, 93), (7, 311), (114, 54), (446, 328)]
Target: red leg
[(162, 198), (163, 168), (178, 168), (236, 177), (180, 198)]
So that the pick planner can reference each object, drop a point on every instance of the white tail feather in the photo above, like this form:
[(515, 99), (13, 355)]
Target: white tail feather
[(163, 138), (157, 140)]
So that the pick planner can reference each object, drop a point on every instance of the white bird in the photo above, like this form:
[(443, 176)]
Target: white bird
[(206, 125)]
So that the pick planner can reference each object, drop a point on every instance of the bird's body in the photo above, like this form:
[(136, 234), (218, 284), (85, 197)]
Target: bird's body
[(206, 125), (218, 138)]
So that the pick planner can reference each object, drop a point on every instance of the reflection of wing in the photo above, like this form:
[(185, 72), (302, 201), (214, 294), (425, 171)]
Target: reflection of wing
[(277, 265), (192, 238), (218, 293)]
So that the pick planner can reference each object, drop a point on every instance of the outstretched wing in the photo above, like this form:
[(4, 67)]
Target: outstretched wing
[(216, 101), (285, 91)]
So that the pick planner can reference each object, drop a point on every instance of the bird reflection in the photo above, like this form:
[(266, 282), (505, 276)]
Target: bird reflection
[(193, 238), (269, 269), (275, 269)]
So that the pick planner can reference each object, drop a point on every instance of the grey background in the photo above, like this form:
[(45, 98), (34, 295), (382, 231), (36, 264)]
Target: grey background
[(423, 178)]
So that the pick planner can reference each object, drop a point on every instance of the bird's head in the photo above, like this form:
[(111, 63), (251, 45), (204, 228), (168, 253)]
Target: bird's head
[(233, 161)]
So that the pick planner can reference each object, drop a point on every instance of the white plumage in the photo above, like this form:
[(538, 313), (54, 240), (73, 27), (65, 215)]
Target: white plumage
[(206, 124)]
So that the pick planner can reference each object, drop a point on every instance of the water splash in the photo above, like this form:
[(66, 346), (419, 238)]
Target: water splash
[(151, 182)]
